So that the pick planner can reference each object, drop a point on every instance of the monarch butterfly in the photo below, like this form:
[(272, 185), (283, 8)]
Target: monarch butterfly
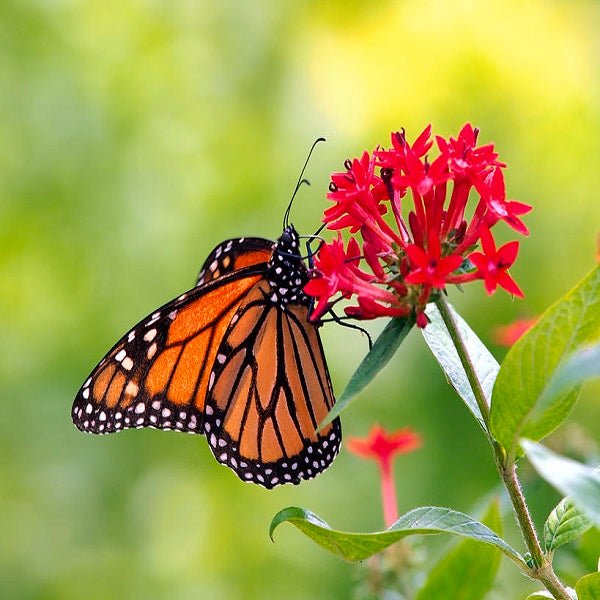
[(236, 358)]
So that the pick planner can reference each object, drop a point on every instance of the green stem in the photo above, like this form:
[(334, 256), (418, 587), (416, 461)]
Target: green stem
[(542, 569), (512, 484), (465, 359)]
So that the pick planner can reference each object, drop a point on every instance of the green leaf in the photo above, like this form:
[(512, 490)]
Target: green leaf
[(574, 479), (586, 550), (382, 351), (564, 524), (580, 366), (544, 594), (588, 587), (359, 546), (531, 363), (441, 345), (469, 569)]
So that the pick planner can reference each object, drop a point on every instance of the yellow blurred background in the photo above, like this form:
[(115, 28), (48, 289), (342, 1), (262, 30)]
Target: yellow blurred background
[(135, 136)]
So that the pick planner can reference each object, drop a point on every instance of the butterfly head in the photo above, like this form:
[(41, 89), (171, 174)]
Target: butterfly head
[(287, 272)]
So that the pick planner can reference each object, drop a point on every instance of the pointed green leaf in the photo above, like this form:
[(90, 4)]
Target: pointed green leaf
[(588, 587), (531, 363), (382, 351), (574, 479), (441, 345), (564, 524), (359, 546), (468, 570)]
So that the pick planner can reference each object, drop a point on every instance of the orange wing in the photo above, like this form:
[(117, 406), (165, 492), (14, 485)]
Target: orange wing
[(267, 393), (232, 255), (157, 375)]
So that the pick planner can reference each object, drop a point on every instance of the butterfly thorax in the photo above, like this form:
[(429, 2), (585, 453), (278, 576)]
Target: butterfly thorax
[(286, 271)]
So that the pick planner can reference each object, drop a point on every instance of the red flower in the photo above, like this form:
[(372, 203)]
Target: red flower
[(464, 158), (335, 271), (507, 335), (492, 264), (428, 266), (395, 157), (357, 193), (404, 161), (415, 251), (382, 447), (493, 190)]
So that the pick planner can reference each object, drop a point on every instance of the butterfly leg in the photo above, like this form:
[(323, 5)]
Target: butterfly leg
[(343, 322)]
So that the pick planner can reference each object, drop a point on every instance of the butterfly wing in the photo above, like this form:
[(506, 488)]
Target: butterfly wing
[(267, 393), (232, 255), (157, 374)]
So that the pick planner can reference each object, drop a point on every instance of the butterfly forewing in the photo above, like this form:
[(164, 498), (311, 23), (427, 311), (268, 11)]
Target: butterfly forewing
[(157, 374), (268, 392)]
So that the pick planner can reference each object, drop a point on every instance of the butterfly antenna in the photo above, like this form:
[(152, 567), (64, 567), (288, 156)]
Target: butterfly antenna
[(286, 216)]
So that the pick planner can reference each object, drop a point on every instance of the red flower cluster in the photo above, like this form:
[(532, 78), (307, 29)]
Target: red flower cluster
[(412, 254)]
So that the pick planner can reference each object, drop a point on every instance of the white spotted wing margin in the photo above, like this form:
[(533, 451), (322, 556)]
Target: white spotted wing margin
[(269, 390), (123, 390)]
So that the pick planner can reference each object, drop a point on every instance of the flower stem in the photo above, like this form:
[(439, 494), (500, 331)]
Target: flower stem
[(542, 568), (512, 484), (388, 494)]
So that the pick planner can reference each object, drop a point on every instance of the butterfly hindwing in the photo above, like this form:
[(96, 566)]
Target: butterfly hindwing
[(232, 255), (157, 374), (268, 392)]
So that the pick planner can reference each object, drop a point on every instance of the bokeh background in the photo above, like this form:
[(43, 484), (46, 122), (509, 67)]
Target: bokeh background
[(134, 136)]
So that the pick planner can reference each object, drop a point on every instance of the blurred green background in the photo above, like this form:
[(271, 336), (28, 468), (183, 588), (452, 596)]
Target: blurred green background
[(136, 135)]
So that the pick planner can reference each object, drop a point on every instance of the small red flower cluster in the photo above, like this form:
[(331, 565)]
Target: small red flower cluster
[(382, 447), (410, 258), (507, 335)]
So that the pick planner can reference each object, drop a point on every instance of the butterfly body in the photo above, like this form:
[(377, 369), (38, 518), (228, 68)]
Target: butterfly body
[(236, 359)]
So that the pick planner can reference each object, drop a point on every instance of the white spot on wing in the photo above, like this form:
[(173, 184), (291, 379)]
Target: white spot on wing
[(131, 389), (150, 335)]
